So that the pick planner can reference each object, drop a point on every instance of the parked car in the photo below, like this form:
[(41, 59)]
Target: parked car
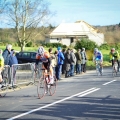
[(26, 57)]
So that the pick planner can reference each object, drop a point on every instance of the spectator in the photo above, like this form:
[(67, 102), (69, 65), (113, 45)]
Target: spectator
[(73, 62), (1, 66), (60, 63), (84, 59), (56, 60), (63, 65), (67, 63), (6, 56), (13, 60), (53, 59), (78, 61)]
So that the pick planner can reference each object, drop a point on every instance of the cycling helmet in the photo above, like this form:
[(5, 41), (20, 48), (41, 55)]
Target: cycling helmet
[(41, 50), (95, 49), (112, 50)]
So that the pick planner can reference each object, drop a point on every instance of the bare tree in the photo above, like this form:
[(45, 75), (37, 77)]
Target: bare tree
[(26, 16), (3, 4)]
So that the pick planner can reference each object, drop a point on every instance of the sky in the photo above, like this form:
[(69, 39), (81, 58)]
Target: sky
[(94, 12)]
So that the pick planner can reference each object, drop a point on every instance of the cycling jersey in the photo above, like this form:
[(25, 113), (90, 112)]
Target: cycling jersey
[(45, 59), (98, 56), (114, 55)]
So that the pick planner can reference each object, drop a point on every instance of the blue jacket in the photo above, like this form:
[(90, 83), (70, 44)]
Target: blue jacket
[(60, 58), (12, 59), (6, 56)]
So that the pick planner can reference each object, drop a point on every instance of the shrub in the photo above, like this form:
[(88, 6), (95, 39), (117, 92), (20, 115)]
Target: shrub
[(105, 46), (85, 43)]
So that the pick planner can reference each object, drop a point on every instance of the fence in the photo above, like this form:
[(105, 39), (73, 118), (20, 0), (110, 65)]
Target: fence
[(23, 73)]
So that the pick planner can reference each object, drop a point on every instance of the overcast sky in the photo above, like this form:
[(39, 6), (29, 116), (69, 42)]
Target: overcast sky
[(94, 12)]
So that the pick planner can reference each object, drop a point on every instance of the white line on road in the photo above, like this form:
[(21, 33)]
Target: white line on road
[(109, 82), (34, 110), (89, 92)]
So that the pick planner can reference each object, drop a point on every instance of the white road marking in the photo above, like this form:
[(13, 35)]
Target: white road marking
[(89, 92), (59, 101), (109, 82)]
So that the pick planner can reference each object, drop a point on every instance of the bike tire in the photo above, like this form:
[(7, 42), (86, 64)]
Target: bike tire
[(114, 72), (41, 88), (4, 90), (52, 87)]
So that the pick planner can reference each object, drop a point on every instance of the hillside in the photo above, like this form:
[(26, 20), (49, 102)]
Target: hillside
[(111, 32)]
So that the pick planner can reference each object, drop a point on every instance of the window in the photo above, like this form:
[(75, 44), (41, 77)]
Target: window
[(26, 55)]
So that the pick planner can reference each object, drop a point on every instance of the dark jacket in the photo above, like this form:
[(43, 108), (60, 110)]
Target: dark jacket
[(67, 61), (73, 58), (6, 56), (78, 57)]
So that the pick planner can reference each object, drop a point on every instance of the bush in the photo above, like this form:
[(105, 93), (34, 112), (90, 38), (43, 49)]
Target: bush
[(105, 46), (85, 43), (54, 45)]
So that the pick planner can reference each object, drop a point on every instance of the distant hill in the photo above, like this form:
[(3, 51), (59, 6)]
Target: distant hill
[(111, 32)]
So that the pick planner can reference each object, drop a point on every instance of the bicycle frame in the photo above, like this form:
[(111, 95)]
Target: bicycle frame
[(115, 68), (98, 67)]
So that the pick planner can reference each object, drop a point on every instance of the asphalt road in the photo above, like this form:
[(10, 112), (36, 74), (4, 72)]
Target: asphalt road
[(83, 97)]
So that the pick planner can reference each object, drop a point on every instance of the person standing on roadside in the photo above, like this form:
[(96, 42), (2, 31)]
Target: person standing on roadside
[(67, 63), (73, 62), (84, 59), (6, 56), (78, 62), (60, 63), (13, 60)]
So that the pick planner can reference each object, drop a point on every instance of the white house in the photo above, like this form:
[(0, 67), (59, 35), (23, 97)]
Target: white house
[(67, 33)]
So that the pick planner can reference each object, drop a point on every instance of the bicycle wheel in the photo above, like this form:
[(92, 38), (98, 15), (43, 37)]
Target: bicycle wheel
[(41, 88), (97, 69), (52, 87), (35, 78), (114, 72), (4, 87)]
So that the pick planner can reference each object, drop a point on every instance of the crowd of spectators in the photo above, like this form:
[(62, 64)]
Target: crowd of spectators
[(68, 62)]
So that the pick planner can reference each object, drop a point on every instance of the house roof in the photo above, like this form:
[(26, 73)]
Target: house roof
[(77, 28)]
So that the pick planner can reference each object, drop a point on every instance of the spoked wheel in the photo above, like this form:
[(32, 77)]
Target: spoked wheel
[(41, 88), (4, 87), (52, 87), (114, 72)]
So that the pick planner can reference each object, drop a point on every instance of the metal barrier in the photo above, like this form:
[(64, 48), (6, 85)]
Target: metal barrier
[(25, 73), (22, 73), (6, 73)]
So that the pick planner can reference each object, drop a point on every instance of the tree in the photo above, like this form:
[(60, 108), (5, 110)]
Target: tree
[(3, 4), (26, 16)]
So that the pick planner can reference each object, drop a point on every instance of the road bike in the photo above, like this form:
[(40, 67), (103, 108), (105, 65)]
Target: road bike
[(44, 85), (115, 68), (99, 67)]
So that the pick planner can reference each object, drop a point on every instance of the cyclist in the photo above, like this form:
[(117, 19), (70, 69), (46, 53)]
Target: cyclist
[(98, 56), (44, 57), (1, 67), (114, 55)]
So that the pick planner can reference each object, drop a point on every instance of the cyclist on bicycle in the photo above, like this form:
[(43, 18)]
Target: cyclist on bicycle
[(114, 55), (1, 67), (44, 57), (98, 57)]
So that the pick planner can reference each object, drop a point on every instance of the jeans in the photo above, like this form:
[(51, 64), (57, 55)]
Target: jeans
[(58, 72), (72, 70), (78, 68)]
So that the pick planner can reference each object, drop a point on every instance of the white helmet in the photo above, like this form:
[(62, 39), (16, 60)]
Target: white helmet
[(41, 50), (95, 49)]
